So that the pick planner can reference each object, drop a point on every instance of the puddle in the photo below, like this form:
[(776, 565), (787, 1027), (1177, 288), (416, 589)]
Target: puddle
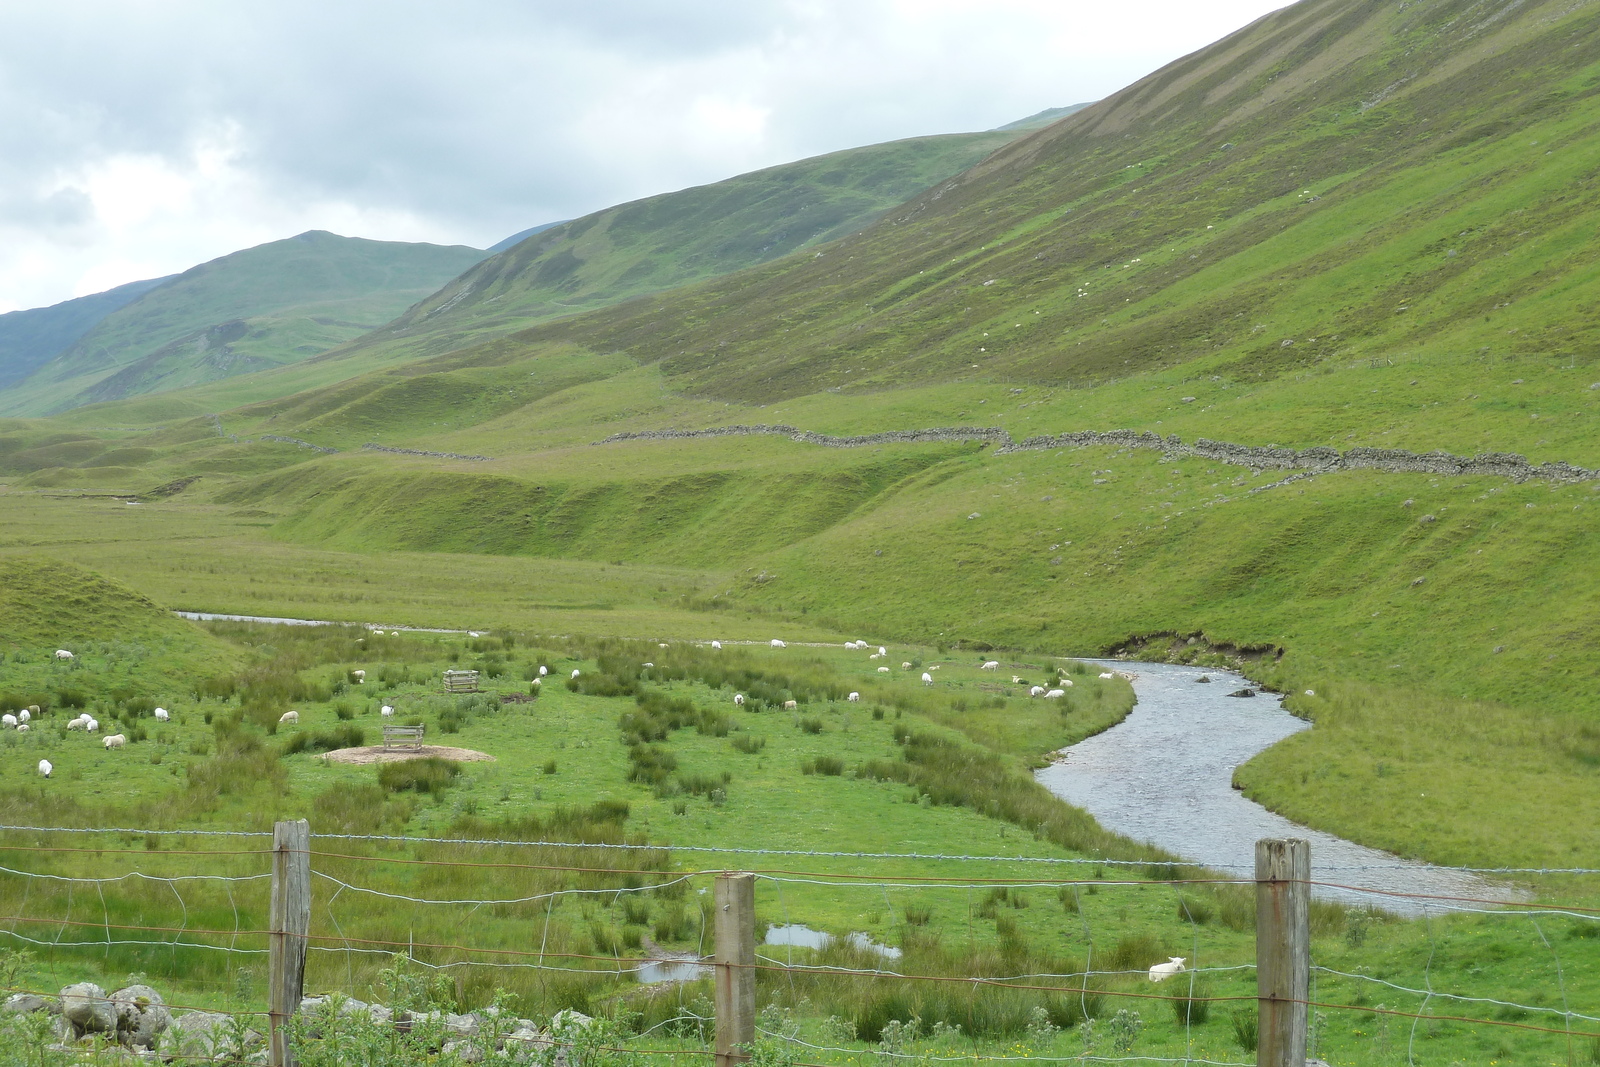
[(1164, 775), (804, 937)]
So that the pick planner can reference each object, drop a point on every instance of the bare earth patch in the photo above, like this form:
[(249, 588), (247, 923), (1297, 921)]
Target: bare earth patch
[(379, 754)]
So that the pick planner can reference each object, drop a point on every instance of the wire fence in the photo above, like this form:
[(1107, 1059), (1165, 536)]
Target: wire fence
[(895, 956)]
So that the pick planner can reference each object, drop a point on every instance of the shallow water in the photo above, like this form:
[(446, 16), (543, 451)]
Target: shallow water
[(207, 616), (805, 937), (1164, 775)]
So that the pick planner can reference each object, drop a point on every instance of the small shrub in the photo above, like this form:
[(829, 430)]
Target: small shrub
[(918, 916), (1246, 1029), (1194, 910), (826, 765), (343, 711), (811, 725), (749, 743), (550, 766), (1192, 1009), (877, 714), (430, 775), (1135, 953), (1068, 895)]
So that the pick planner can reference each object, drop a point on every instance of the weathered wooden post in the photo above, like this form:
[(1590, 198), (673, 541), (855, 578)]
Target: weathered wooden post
[(734, 929), (290, 926), (1283, 950)]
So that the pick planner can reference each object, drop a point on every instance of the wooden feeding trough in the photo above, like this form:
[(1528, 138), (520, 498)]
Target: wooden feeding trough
[(460, 681), (396, 736)]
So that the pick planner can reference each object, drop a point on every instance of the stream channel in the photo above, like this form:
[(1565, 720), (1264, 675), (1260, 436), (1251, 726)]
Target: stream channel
[(1164, 775)]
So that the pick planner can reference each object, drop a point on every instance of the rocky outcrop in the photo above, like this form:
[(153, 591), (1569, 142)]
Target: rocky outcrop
[(302, 444), (369, 447), (1319, 459)]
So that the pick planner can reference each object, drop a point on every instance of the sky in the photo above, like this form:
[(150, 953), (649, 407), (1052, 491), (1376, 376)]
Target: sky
[(138, 139)]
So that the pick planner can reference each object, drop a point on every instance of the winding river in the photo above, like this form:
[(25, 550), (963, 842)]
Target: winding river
[(1165, 775)]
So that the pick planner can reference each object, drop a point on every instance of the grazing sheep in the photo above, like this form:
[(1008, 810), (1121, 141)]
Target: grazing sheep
[(473, 633), (162, 715), (537, 682), (576, 672), (882, 651), (77, 724), (778, 644), (874, 656), (289, 716), (927, 679), (1016, 679), (24, 728), (738, 698), (1066, 683), (91, 726), (24, 715), (1055, 694), (906, 666), (8, 720), (716, 644), (883, 670), (1036, 691), (790, 705), (63, 654), (359, 676), (1107, 675), (1311, 692), (115, 740), (649, 664), (661, 644), (45, 767), (854, 698), (386, 711), (543, 670), (990, 665), (1160, 972)]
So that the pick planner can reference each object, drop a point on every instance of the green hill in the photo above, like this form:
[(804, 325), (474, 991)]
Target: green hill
[(28, 339), (266, 306), (672, 239)]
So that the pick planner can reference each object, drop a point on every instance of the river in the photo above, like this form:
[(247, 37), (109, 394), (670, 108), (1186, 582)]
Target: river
[(1165, 775)]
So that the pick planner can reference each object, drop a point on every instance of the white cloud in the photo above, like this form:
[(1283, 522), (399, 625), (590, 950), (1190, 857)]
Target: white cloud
[(138, 140)]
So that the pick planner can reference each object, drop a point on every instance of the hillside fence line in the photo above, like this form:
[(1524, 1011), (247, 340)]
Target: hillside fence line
[(292, 865), (1310, 461)]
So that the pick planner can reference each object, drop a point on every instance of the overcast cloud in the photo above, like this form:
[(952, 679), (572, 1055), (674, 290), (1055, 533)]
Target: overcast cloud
[(138, 139)]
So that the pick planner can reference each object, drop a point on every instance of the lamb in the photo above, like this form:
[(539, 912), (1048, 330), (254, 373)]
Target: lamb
[(1055, 694), (1016, 679), (882, 651), (1160, 972), (45, 767), (91, 725), (1066, 683), (288, 716), (115, 741), (543, 670), (24, 715), (874, 656), (386, 711), (78, 723), (790, 705), (927, 679), (906, 666), (854, 698), (1107, 675), (24, 728), (716, 644), (738, 699), (990, 665), (1036, 691), (576, 672), (162, 715), (359, 676), (8, 720), (779, 644), (63, 654), (883, 670)]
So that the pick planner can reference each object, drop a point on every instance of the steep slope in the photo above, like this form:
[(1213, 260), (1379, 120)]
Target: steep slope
[(676, 238), (274, 304), (1043, 118), (1344, 179), (522, 235), (28, 339)]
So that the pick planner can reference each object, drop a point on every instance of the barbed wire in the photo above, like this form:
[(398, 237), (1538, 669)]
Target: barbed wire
[(1455, 996)]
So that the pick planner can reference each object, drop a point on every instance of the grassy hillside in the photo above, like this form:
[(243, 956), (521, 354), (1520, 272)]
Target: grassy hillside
[(277, 303), (29, 338), (676, 238)]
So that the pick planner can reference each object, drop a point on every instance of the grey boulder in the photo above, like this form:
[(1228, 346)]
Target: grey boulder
[(141, 1016), (86, 1006)]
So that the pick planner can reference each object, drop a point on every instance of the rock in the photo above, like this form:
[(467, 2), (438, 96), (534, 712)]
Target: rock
[(87, 1007), (23, 1003), (196, 1034), (1204, 678), (1245, 692), (141, 1015), (465, 1051), (380, 1014), (568, 1019), (462, 1025)]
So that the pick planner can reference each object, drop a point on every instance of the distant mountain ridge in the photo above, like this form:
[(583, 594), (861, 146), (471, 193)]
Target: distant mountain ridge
[(28, 339), (277, 303)]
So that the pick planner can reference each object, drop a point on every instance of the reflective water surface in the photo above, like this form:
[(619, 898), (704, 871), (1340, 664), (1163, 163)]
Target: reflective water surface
[(1164, 775)]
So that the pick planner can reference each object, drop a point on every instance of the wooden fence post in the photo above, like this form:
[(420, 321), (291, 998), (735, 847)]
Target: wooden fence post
[(734, 930), (290, 926), (1283, 950)]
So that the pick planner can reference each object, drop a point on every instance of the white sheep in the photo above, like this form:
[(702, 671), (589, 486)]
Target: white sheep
[(24, 715), (854, 698), (359, 676), (63, 654), (1036, 691), (778, 644), (8, 720), (91, 726), (1016, 679), (1106, 676), (905, 665), (883, 670), (289, 716), (1055, 694), (115, 740), (1160, 972), (386, 711), (45, 767), (576, 672), (1066, 683), (543, 670), (790, 705), (1311, 692), (661, 644), (990, 665), (716, 644), (78, 723), (927, 679), (24, 728), (162, 715), (473, 633), (738, 699), (882, 651), (874, 656)]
